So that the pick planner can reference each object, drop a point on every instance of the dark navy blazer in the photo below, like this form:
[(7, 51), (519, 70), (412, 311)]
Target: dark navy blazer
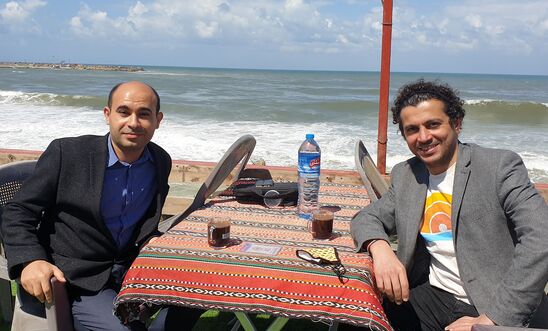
[(56, 214)]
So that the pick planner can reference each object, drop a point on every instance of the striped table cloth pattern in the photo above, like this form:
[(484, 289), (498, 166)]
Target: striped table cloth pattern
[(179, 268)]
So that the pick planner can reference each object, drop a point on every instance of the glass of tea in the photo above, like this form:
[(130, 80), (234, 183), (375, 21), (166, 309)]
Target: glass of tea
[(321, 224), (218, 232)]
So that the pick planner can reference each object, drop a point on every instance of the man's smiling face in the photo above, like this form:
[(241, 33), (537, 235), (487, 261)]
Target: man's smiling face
[(132, 119), (430, 135)]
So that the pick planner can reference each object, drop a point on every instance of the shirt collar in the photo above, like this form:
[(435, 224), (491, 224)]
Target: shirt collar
[(113, 158)]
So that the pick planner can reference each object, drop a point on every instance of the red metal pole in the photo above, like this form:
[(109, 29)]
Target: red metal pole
[(384, 85)]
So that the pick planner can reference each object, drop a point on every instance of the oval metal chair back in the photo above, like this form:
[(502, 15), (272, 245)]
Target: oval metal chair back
[(237, 154), (372, 179)]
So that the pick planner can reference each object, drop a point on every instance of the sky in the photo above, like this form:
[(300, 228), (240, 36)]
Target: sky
[(465, 36)]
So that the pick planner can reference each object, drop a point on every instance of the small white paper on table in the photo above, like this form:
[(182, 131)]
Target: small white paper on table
[(261, 249)]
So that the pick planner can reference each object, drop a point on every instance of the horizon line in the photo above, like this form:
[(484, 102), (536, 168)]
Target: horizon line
[(275, 69)]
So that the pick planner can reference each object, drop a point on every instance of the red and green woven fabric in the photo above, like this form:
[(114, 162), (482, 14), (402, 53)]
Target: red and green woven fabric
[(179, 268)]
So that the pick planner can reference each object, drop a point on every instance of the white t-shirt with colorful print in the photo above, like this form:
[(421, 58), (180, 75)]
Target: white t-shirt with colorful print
[(436, 231)]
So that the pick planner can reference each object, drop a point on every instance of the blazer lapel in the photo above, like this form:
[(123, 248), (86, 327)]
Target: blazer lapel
[(97, 165), (417, 185), (159, 163), (154, 212), (462, 174)]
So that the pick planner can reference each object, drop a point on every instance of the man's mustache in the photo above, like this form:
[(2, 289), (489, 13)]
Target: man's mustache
[(133, 132)]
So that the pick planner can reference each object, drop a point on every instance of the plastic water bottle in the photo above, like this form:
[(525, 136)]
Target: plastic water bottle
[(309, 177)]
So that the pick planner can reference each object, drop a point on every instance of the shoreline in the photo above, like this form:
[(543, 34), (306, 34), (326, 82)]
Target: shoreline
[(187, 175), (69, 66)]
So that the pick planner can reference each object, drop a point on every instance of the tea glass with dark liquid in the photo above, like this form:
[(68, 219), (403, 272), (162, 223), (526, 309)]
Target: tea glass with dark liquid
[(218, 232), (321, 224)]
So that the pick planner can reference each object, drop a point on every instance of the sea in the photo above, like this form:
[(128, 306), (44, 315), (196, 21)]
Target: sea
[(206, 109)]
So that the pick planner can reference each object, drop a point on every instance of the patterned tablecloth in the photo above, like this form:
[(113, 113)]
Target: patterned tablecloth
[(179, 268)]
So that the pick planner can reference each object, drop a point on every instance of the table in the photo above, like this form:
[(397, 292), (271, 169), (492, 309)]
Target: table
[(179, 268)]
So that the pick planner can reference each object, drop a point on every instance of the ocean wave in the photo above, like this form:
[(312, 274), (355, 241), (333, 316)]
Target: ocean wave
[(478, 101), (507, 112), (182, 74), (49, 99), (473, 102)]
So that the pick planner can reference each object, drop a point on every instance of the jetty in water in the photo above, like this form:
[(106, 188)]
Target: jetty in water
[(69, 66)]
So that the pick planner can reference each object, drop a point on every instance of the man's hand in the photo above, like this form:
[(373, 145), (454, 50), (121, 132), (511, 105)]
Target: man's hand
[(390, 273), (465, 323), (35, 279)]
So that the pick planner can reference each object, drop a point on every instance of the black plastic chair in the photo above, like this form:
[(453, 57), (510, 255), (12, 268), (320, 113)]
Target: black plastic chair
[(58, 315), (538, 322), (12, 175)]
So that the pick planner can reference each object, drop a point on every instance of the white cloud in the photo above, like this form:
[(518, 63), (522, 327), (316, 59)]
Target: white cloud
[(77, 26), (342, 39), (89, 23), (507, 26), (247, 22), (137, 10), (474, 20), (13, 12), (18, 14), (304, 26), (207, 30), (544, 25)]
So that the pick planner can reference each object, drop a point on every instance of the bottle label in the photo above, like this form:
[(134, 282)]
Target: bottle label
[(309, 163)]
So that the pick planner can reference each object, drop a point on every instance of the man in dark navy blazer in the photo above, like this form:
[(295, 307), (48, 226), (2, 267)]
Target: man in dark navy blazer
[(91, 204)]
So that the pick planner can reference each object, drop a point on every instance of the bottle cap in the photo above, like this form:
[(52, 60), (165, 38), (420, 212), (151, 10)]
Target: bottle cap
[(309, 136)]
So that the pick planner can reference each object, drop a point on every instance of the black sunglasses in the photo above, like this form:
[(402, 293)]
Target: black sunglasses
[(336, 266)]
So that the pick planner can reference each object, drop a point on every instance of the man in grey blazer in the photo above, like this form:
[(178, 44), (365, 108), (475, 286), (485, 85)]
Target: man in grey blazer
[(472, 229), (91, 204)]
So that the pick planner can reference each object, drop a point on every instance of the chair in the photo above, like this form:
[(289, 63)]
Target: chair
[(238, 153), (372, 179), (538, 322), (58, 313), (479, 327), (58, 316), (540, 317), (374, 182), (12, 176)]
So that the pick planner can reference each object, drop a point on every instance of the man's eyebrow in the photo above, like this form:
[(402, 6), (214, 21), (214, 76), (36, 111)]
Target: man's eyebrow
[(410, 126), (435, 119), (144, 109)]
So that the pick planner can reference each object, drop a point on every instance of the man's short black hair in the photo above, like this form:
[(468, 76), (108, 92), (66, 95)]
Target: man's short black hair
[(416, 92), (113, 90)]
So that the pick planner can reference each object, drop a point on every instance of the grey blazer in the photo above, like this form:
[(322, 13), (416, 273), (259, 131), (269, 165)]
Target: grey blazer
[(500, 229)]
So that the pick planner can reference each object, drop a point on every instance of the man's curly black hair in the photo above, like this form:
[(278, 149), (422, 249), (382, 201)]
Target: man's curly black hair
[(414, 93)]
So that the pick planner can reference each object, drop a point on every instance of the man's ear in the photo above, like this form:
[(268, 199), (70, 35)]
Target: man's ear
[(106, 113), (159, 118), (458, 125)]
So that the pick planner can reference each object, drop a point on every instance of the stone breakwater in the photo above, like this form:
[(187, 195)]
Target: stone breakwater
[(70, 66)]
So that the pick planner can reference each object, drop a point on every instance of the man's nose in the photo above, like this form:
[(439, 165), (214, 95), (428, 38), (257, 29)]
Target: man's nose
[(424, 134), (133, 121)]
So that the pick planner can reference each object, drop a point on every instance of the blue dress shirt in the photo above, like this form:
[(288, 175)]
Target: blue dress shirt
[(128, 190)]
